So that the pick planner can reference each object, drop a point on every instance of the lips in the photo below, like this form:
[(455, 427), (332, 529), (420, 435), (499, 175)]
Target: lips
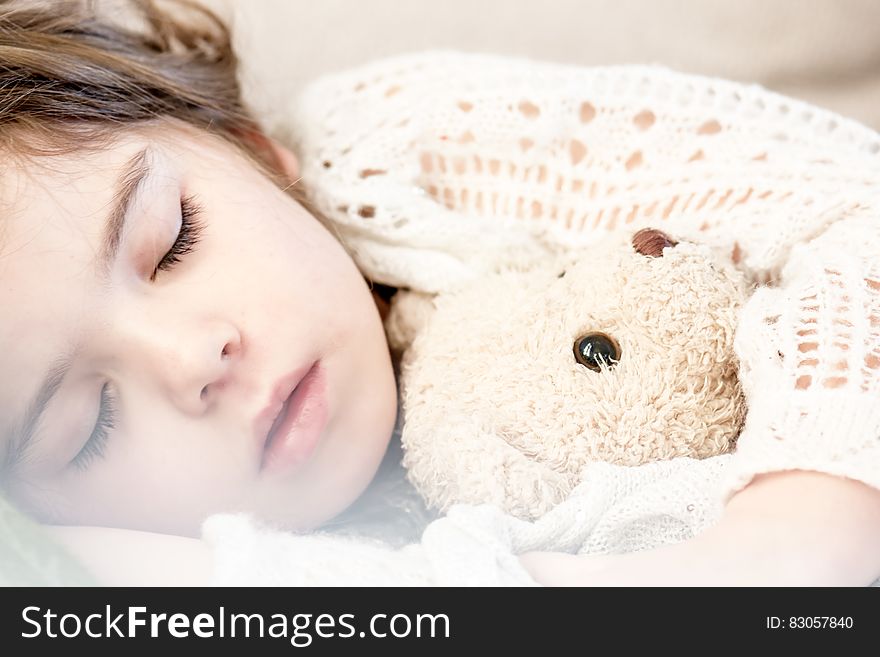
[(289, 427)]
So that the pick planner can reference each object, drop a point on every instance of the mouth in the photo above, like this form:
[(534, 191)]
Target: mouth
[(289, 429)]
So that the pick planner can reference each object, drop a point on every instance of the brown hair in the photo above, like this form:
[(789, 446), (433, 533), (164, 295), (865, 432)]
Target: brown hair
[(72, 72)]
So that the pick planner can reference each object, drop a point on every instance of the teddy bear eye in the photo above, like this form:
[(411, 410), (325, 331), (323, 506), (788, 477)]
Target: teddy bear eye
[(594, 348)]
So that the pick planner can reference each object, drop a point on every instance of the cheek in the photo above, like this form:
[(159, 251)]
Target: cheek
[(276, 244), (167, 477), (288, 269)]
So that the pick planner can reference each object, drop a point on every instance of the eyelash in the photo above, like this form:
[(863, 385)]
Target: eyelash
[(97, 442), (188, 237)]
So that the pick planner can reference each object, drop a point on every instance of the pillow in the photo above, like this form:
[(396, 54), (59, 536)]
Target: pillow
[(29, 557)]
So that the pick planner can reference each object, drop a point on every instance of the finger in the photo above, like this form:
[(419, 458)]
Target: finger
[(560, 569), (548, 568)]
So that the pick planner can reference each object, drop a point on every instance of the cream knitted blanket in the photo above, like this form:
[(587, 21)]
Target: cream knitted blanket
[(436, 167), (615, 510)]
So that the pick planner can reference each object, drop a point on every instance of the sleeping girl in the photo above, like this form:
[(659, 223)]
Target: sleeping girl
[(184, 334)]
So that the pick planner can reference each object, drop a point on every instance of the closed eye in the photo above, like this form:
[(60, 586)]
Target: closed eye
[(187, 237), (96, 444)]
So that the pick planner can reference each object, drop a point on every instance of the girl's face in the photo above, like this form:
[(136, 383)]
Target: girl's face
[(186, 332)]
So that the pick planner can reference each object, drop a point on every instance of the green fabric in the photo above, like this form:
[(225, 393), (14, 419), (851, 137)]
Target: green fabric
[(28, 557)]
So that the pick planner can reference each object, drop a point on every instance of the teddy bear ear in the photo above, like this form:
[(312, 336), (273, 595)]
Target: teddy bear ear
[(651, 242)]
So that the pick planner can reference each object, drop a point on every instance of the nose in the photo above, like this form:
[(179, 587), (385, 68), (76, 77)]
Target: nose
[(191, 360), (651, 242)]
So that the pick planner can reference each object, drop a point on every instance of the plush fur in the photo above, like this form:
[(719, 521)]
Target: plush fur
[(498, 409)]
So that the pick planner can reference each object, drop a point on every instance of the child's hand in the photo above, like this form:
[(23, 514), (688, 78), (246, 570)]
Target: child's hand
[(792, 528)]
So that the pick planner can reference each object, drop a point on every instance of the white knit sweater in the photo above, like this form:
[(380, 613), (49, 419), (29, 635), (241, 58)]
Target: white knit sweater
[(435, 167)]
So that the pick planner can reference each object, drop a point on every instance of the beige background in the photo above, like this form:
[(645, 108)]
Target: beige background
[(824, 51)]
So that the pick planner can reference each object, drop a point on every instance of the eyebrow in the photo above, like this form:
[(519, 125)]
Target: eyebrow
[(129, 184), (128, 187), (22, 434)]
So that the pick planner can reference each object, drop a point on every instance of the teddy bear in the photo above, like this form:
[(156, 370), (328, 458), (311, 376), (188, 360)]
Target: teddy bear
[(621, 351)]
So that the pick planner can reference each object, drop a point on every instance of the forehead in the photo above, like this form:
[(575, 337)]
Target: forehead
[(43, 193), (52, 218)]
